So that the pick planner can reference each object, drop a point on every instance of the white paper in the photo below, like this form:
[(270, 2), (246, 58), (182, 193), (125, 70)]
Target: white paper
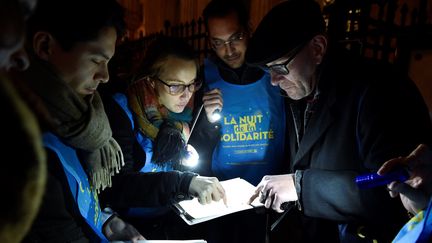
[(237, 191)]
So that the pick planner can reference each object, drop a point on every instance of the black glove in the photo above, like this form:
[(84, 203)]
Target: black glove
[(169, 146)]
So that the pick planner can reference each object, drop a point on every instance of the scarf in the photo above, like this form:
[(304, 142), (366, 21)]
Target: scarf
[(80, 122), (168, 130)]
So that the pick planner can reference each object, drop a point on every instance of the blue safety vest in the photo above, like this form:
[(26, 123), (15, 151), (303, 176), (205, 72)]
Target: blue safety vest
[(145, 142), (418, 229), (147, 145), (252, 128), (85, 197)]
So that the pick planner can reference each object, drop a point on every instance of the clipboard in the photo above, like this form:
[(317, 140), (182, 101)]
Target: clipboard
[(238, 191)]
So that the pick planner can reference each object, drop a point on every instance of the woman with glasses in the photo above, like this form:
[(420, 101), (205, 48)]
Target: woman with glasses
[(151, 121)]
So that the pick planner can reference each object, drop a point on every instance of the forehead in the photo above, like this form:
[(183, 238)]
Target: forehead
[(104, 44), (175, 68), (222, 27)]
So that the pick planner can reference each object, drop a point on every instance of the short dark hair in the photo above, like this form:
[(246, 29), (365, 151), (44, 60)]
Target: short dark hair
[(161, 48), (222, 8), (72, 21)]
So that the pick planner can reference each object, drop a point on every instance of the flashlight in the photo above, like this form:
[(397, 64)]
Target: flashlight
[(216, 116), (192, 157), (373, 179)]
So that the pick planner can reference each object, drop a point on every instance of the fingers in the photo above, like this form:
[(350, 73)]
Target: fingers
[(212, 93), (277, 202), (266, 189), (421, 149), (269, 199), (136, 239), (209, 189), (205, 197), (255, 195), (212, 100), (408, 191), (135, 236), (220, 193), (388, 165), (393, 193), (409, 160)]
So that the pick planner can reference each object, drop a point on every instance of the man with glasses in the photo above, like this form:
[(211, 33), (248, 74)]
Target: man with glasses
[(248, 141), (345, 117)]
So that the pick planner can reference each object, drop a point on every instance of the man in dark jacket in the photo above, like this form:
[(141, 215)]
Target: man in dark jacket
[(345, 117)]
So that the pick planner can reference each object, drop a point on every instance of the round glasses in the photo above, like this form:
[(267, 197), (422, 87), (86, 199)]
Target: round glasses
[(233, 40), (176, 89), (281, 69)]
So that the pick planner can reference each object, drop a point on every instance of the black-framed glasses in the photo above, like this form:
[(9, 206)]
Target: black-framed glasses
[(233, 40), (176, 89), (281, 68)]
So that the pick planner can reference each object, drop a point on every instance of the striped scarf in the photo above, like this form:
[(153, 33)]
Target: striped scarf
[(152, 118)]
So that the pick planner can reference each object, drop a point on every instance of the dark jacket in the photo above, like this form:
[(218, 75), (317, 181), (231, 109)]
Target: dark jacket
[(365, 115), (58, 219), (132, 188), (206, 135)]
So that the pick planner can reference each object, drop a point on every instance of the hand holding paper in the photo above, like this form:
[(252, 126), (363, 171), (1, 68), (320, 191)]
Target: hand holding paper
[(207, 189), (275, 190), (237, 192)]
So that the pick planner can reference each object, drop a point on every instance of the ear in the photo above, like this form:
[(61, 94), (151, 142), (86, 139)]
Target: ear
[(319, 48), (43, 44)]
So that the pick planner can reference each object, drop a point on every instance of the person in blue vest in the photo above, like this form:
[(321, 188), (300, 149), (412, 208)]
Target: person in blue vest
[(346, 115), (248, 140), (70, 48), (151, 119), (23, 177), (415, 193)]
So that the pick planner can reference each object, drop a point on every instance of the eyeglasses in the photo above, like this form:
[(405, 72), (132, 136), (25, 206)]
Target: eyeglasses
[(176, 89), (281, 68), (233, 40)]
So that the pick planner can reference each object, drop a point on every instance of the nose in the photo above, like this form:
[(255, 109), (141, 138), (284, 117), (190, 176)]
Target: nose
[(187, 94), (19, 60), (275, 79), (229, 49), (102, 74)]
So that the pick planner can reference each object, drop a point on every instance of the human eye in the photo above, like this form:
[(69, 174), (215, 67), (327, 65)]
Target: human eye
[(237, 37), (217, 43), (176, 88), (197, 84), (97, 61)]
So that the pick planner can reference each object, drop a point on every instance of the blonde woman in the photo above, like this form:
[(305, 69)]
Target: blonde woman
[(151, 122)]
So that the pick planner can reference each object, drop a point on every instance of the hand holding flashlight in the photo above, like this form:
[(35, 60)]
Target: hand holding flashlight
[(213, 103)]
